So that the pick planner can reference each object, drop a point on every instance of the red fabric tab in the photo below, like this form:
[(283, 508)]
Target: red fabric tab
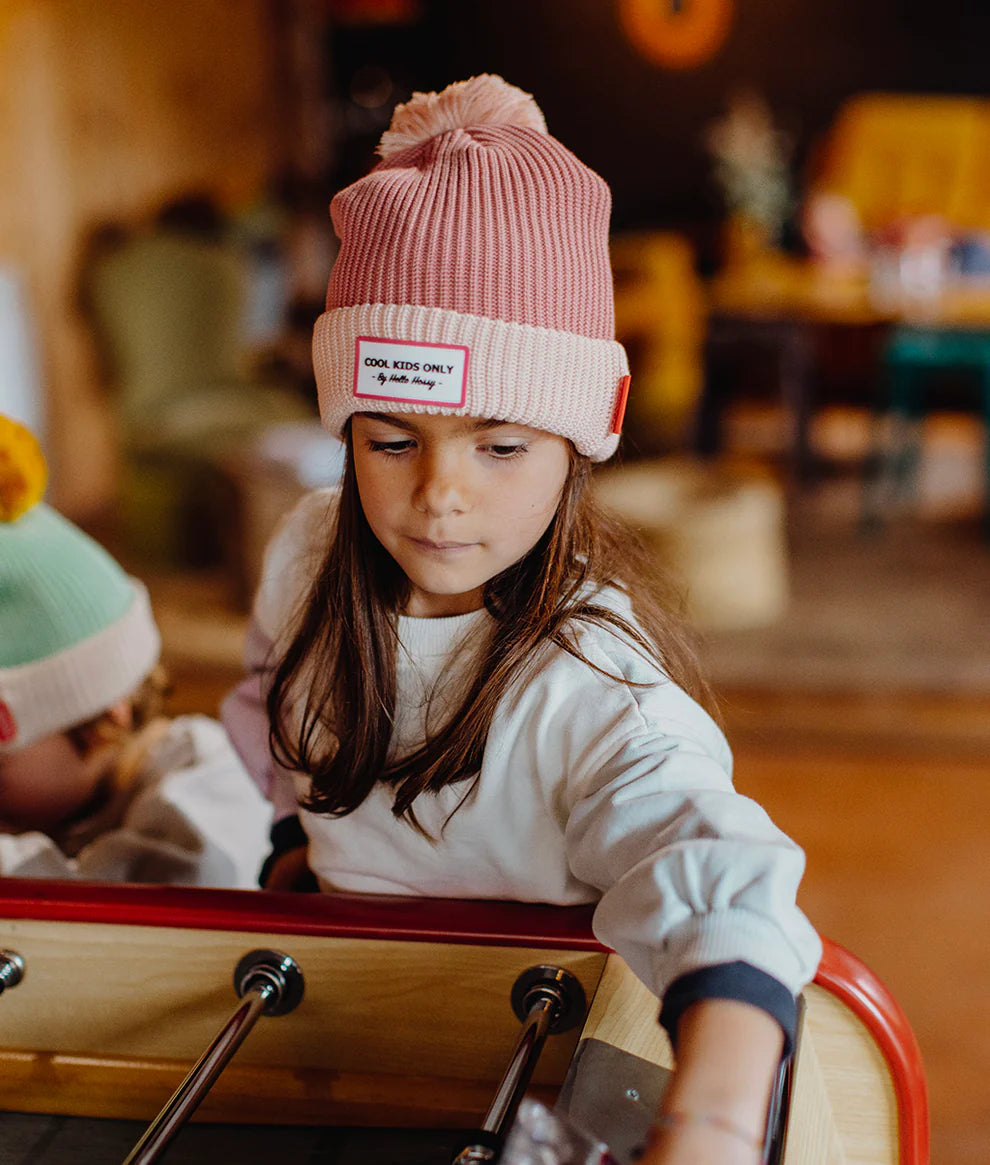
[(8, 725), (620, 404)]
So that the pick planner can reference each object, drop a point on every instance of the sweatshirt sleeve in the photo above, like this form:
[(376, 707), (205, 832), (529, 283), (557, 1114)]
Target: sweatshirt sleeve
[(245, 716), (191, 816), (291, 560), (33, 855), (698, 886)]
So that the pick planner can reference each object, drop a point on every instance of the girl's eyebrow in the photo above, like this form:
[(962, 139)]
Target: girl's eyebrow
[(410, 426), (386, 419)]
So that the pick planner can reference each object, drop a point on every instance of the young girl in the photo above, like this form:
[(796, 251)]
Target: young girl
[(467, 686), (94, 782)]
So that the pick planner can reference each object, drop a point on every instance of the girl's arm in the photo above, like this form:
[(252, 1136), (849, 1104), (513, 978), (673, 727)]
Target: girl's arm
[(291, 559), (245, 717), (186, 812), (697, 885), (32, 855), (715, 1107), (697, 889)]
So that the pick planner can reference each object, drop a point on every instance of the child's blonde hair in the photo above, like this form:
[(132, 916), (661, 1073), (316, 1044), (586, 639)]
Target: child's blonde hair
[(146, 704)]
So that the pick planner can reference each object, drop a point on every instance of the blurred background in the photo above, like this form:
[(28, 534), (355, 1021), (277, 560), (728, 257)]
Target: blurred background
[(802, 261)]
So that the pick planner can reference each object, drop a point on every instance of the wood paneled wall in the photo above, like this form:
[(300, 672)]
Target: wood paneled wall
[(107, 109)]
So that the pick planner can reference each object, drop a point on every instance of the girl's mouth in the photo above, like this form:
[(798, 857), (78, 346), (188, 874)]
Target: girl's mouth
[(430, 547)]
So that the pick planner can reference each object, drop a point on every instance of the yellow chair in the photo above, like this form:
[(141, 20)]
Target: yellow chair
[(660, 317), (902, 155), (899, 156)]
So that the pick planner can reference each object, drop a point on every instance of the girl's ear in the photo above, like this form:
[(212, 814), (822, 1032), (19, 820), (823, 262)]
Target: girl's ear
[(121, 714), (110, 726)]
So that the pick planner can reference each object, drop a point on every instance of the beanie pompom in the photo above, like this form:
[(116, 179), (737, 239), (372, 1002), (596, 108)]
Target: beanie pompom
[(483, 100), (23, 473)]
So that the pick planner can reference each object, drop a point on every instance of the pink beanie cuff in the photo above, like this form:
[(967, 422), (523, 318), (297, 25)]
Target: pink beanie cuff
[(557, 381)]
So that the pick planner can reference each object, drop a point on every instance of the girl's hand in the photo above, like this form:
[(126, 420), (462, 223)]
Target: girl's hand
[(697, 1145), (714, 1109), (287, 870)]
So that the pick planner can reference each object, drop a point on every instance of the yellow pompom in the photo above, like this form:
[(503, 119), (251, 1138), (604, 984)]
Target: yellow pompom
[(23, 472)]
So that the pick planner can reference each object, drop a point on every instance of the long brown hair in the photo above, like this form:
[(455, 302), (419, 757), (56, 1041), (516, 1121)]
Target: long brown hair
[(343, 652)]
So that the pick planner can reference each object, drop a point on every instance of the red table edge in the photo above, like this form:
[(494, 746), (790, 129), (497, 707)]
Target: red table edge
[(450, 920), (370, 916), (854, 984)]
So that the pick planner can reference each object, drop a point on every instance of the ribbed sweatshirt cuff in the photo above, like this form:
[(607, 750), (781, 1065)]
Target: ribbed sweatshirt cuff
[(286, 834), (739, 981)]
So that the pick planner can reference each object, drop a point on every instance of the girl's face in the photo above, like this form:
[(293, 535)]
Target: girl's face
[(455, 500)]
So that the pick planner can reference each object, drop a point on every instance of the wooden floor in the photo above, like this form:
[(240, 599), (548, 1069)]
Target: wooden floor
[(891, 800)]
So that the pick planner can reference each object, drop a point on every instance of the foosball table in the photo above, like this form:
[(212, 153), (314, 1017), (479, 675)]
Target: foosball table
[(165, 1004)]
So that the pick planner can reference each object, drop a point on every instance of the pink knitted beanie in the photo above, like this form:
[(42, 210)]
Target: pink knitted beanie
[(473, 275)]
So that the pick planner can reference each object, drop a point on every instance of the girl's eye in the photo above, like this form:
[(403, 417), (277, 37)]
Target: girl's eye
[(393, 447), (505, 452)]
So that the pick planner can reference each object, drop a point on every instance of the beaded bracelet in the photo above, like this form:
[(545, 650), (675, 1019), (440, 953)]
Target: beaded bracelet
[(680, 1120)]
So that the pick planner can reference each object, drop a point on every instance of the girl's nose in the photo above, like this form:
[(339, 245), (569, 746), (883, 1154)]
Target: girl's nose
[(441, 489)]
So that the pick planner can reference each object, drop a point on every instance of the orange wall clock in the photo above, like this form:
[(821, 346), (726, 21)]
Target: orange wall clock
[(676, 33)]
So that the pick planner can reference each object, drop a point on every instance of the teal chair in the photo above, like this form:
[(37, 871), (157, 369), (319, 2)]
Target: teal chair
[(912, 355)]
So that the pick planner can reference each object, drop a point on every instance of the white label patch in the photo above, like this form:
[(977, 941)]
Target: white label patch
[(405, 370)]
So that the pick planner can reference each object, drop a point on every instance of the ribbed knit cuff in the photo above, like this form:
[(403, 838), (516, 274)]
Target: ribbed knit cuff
[(740, 981), (555, 381), (54, 694)]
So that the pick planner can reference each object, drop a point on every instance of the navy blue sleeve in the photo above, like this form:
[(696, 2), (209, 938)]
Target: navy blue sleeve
[(286, 835), (740, 981)]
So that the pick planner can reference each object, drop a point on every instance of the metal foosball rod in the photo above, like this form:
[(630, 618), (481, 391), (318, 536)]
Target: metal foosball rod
[(268, 983), (547, 1000)]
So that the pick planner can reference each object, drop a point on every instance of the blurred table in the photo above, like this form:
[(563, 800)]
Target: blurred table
[(786, 304)]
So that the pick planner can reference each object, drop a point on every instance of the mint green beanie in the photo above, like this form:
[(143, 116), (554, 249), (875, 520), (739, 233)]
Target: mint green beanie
[(76, 633)]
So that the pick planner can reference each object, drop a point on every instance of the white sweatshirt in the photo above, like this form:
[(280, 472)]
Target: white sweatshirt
[(590, 790), (190, 815)]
